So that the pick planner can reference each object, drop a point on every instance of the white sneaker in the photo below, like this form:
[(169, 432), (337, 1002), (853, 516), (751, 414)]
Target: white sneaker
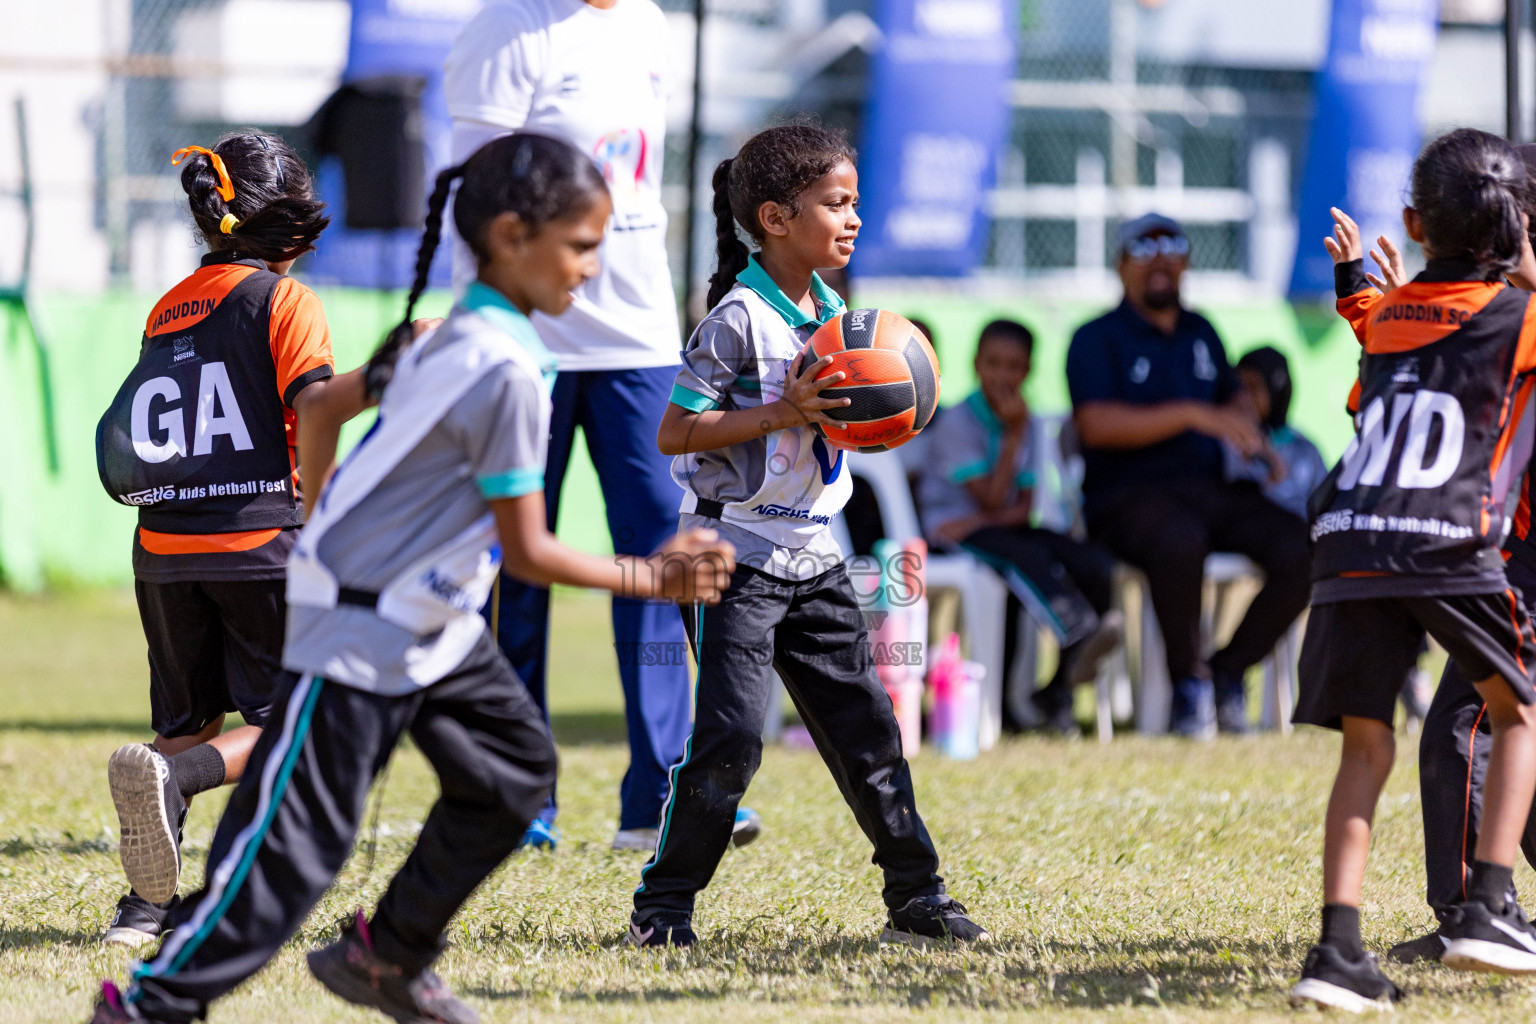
[(150, 813), (636, 839)]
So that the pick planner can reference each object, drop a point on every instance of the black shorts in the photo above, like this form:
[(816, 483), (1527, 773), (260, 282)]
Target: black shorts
[(1357, 653), (214, 647)]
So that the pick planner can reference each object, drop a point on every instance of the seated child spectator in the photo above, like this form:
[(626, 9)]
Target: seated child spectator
[(976, 492), (1293, 466)]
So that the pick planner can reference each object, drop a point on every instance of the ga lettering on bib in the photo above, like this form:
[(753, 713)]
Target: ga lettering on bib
[(194, 438)]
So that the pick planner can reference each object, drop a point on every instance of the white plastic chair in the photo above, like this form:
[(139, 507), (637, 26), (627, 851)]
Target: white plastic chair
[(1058, 470), (1148, 695), (1154, 690), (983, 594)]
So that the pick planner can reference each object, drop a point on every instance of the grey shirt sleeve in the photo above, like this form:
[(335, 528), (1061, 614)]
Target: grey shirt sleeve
[(717, 359), (503, 426)]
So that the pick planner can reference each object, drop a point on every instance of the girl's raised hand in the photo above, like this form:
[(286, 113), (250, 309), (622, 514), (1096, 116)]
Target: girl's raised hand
[(1344, 246), (1392, 273), (803, 401)]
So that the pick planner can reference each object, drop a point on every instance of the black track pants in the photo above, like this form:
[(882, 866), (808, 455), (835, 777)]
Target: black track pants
[(814, 634), (1167, 531), (1453, 763), (1066, 582), (292, 819)]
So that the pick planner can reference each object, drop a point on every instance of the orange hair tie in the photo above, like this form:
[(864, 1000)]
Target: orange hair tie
[(226, 189)]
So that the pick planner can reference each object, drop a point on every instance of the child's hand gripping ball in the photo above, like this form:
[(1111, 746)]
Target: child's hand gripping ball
[(890, 376)]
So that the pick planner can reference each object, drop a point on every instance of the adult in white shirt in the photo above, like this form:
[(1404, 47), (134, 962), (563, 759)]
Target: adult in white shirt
[(594, 73)]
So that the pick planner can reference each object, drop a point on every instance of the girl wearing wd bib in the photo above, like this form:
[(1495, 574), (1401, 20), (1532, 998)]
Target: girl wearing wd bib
[(1405, 540), (385, 635), (739, 424), (200, 438)]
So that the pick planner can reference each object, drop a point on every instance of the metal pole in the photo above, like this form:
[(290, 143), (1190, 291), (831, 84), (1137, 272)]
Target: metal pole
[(694, 118), (31, 309), (1513, 22), (1122, 75)]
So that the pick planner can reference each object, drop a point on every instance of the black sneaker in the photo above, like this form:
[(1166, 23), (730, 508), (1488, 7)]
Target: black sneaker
[(1428, 948), (928, 920), (138, 921), (351, 969), (1477, 939), (1329, 980), (664, 929), (150, 813)]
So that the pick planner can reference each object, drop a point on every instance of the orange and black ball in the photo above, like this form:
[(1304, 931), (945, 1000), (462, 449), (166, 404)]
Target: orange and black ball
[(892, 377)]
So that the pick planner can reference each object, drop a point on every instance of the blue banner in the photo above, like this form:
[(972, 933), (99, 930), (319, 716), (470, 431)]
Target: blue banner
[(936, 114), (391, 37), (1365, 132)]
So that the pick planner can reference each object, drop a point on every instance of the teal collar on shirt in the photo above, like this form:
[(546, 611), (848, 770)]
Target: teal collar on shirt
[(983, 412), (493, 306), (828, 302), (977, 402)]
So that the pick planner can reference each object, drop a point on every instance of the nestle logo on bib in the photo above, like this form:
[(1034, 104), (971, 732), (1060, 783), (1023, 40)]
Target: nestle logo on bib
[(181, 350), (785, 512), (152, 496)]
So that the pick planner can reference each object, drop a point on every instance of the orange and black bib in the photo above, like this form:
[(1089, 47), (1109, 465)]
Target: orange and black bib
[(194, 437), (1444, 436)]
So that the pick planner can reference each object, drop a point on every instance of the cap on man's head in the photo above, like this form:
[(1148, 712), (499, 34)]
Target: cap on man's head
[(1146, 225)]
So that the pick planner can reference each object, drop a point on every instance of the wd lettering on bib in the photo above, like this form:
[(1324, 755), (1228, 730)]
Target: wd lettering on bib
[(1425, 488), (194, 437), (1368, 457)]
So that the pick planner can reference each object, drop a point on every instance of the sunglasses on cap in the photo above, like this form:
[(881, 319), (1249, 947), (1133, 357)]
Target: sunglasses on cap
[(1143, 249)]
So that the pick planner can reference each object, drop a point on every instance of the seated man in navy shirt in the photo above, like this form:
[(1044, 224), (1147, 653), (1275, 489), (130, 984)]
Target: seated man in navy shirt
[(1154, 399)]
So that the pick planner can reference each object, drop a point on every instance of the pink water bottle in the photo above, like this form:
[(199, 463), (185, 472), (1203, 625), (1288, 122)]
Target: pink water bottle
[(946, 675)]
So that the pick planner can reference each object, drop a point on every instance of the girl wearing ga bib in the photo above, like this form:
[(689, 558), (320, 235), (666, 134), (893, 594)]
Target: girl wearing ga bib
[(200, 439), (740, 426), (385, 636)]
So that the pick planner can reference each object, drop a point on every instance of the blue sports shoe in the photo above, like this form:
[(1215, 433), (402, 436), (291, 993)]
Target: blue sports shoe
[(1193, 715), (749, 825), (541, 835)]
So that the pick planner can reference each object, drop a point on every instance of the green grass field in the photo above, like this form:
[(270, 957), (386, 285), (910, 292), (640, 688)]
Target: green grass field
[(1136, 881)]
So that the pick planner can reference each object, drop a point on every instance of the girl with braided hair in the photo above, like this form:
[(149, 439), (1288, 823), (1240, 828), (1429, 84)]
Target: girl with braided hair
[(742, 426), (385, 635), (201, 439), (596, 74)]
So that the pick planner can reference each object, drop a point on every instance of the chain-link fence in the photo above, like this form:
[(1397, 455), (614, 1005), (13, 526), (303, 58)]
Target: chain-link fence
[(1105, 128), (1105, 123), (182, 71)]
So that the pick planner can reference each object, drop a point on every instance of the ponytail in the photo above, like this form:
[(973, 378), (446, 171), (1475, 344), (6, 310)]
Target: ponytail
[(774, 166), (252, 193), (730, 254), (381, 365), (536, 177), (1470, 189)]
